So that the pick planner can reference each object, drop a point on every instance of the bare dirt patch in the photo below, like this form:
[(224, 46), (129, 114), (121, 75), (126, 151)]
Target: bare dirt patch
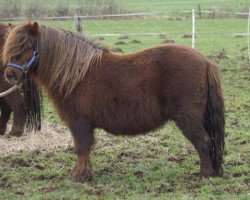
[(120, 43), (218, 55), (163, 36), (116, 49), (187, 36), (123, 37), (166, 41), (135, 41)]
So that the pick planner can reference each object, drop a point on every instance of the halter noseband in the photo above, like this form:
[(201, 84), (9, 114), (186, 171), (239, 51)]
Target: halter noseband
[(25, 68)]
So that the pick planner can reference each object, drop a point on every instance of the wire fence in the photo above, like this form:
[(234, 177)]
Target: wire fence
[(159, 14), (194, 14)]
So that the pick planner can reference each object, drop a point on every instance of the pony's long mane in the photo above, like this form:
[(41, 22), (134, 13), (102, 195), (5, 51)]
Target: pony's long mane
[(65, 56), (3, 32)]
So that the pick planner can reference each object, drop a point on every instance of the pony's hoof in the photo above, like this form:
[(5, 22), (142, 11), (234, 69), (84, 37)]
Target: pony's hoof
[(16, 133), (86, 176), (2, 132)]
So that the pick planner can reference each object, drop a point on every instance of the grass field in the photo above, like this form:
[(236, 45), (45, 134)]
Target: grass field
[(163, 164), (173, 29), (155, 6)]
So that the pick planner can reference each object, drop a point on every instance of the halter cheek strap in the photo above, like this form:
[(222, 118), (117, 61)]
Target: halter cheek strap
[(25, 68)]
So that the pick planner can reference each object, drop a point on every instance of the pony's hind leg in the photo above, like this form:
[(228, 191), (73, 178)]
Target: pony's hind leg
[(5, 116), (194, 131), (83, 140)]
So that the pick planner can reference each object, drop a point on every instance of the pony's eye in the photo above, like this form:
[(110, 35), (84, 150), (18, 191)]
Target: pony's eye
[(29, 47)]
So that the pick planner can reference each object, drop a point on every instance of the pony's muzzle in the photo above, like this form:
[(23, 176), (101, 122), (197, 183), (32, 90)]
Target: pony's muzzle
[(12, 75)]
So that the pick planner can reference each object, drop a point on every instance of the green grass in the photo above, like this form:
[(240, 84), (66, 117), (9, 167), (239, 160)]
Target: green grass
[(181, 5), (158, 5), (162, 164), (206, 41)]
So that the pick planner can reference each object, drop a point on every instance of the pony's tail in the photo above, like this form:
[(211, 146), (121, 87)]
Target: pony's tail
[(33, 101), (214, 119)]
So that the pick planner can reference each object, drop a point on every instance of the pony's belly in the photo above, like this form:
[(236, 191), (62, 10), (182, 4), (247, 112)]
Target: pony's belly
[(131, 131), (130, 113), (132, 125)]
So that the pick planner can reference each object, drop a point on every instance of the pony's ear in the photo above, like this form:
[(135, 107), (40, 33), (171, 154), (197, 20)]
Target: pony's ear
[(11, 25), (33, 28)]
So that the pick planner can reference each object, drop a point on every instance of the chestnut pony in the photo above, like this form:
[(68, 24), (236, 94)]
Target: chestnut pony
[(123, 94), (25, 110)]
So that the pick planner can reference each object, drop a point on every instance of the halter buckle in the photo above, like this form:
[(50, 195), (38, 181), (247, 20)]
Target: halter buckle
[(36, 54), (25, 69)]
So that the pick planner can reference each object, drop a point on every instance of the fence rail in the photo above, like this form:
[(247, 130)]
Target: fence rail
[(119, 15), (192, 12)]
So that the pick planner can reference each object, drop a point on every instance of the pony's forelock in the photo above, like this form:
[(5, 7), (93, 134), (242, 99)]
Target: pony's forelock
[(17, 41)]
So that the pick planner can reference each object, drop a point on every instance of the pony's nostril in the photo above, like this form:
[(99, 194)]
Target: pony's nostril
[(11, 74)]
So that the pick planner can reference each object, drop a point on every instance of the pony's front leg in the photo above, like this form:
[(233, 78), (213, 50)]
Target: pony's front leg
[(19, 118), (82, 133), (5, 116), (18, 107), (82, 170)]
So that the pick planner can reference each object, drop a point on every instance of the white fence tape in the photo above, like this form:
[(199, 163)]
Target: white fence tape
[(118, 15), (247, 15)]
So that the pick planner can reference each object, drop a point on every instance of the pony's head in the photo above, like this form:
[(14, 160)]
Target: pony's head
[(64, 56), (21, 52)]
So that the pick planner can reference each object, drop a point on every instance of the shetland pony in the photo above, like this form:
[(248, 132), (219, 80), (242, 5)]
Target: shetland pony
[(25, 110), (123, 94)]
